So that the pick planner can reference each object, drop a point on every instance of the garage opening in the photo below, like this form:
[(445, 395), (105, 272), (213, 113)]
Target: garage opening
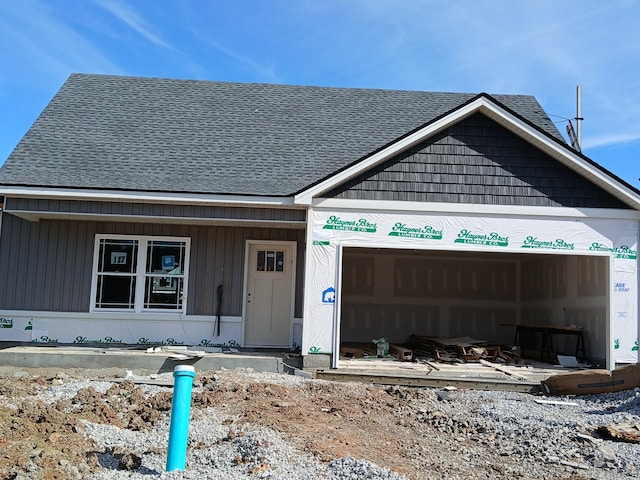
[(400, 294)]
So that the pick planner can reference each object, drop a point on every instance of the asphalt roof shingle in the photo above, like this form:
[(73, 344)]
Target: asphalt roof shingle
[(163, 135)]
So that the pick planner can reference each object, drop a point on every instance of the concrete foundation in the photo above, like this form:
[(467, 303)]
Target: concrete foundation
[(316, 361), (28, 356)]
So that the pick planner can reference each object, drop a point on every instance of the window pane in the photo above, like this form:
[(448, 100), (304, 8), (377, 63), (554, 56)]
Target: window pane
[(115, 291), (260, 266), (117, 256), (271, 261), (165, 257), (160, 273), (163, 292), (280, 261)]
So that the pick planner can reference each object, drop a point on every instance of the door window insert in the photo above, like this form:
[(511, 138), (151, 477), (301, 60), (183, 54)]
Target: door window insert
[(270, 261)]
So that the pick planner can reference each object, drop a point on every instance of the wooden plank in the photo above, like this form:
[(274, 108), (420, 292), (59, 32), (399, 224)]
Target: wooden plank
[(137, 381), (401, 353), (626, 432), (501, 369), (428, 381), (351, 352)]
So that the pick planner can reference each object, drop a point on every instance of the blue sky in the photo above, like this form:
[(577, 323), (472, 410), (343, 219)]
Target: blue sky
[(541, 48)]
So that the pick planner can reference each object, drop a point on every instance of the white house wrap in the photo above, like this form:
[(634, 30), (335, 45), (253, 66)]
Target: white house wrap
[(615, 239)]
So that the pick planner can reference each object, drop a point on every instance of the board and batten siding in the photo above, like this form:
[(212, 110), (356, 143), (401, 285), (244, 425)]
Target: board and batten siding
[(477, 161), (47, 265)]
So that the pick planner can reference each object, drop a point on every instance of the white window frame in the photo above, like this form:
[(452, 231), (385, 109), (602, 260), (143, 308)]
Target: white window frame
[(140, 274)]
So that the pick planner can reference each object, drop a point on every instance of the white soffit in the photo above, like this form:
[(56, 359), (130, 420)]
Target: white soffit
[(146, 197), (511, 122)]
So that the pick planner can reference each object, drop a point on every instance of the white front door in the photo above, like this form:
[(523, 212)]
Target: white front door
[(269, 300)]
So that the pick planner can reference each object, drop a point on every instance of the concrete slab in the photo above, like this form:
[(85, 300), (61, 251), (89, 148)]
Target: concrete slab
[(36, 356)]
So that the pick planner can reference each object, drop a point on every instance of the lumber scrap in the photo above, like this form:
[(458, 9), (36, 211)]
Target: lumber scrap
[(501, 369), (455, 350), (400, 353), (625, 432), (554, 402), (351, 352)]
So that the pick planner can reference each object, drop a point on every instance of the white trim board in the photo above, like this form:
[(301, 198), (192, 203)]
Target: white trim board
[(473, 209), (146, 197)]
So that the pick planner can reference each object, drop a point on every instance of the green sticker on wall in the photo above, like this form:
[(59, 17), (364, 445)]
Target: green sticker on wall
[(492, 239), (361, 225), (535, 243), (427, 232)]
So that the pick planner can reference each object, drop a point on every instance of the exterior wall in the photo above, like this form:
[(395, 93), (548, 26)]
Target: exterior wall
[(476, 161), (49, 263)]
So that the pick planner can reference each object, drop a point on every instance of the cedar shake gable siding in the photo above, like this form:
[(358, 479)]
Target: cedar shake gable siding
[(476, 161)]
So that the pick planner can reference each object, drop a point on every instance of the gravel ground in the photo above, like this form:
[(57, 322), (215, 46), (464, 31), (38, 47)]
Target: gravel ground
[(245, 425)]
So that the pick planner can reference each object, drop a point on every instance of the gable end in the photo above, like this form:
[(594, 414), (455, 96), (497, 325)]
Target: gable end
[(476, 161)]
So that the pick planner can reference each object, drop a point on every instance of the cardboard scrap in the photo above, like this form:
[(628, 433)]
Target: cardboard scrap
[(596, 381)]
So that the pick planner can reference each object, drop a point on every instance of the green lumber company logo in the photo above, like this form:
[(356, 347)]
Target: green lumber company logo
[(558, 244), (402, 230), (362, 225), (6, 322), (492, 239), (620, 252)]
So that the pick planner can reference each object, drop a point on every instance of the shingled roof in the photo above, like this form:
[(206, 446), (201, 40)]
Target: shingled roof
[(163, 135)]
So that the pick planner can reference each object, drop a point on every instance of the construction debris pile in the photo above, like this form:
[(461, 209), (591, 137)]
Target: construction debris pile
[(425, 349)]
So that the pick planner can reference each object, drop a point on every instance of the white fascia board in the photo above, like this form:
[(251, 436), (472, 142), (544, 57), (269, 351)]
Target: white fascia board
[(473, 209), (146, 197), (511, 122)]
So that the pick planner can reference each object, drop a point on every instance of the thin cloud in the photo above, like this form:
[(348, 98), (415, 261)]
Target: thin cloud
[(611, 140), (261, 70), (131, 18), (37, 41)]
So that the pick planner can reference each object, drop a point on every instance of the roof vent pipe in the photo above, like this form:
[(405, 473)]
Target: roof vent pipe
[(579, 116), (576, 138)]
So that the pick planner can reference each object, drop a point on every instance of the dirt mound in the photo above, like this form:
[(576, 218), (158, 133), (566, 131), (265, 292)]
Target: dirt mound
[(402, 429)]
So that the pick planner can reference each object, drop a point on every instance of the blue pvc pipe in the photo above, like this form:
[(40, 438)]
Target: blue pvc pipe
[(180, 407)]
